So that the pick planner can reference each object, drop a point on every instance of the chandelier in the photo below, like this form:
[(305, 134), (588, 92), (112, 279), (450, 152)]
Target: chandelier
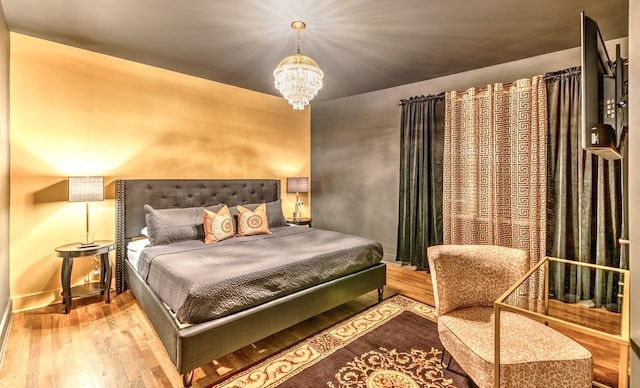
[(298, 77)]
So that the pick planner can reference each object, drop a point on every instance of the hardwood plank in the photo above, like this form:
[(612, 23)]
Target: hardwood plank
[(114, 344)]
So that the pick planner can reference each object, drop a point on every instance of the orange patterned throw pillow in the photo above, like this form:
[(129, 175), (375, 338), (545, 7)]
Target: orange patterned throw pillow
[(217, 226), (252, 222)]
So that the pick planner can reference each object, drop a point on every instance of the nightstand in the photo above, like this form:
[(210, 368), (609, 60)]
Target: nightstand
[(70, 251), (299, 221)]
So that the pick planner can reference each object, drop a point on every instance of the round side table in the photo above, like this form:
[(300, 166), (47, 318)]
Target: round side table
[(299, 221), (70, 251)]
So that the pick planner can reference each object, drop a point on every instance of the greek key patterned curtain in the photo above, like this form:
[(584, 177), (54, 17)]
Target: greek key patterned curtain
[(494, 170)]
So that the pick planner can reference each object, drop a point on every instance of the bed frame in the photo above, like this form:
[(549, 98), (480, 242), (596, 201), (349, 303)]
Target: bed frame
[(195, 345)]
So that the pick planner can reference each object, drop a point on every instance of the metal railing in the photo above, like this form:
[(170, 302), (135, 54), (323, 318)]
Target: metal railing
[(622, 339)]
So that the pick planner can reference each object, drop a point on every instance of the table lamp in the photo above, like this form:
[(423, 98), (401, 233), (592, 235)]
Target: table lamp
[(298, 185), (86, 189)]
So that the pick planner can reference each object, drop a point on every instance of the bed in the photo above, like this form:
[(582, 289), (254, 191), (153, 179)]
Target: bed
[(202, 339)]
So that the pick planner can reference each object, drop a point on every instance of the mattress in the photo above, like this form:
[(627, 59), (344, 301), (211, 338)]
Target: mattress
[(134, 249), (200, 282)]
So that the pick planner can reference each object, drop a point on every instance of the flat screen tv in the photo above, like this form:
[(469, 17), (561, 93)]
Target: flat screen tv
[(598, 93)]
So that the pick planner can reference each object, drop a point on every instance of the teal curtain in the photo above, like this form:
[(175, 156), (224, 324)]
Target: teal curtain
[(584, 207), (420, 200)]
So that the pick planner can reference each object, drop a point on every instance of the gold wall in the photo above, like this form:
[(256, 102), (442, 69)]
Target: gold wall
[(74, 112), (5, 295)]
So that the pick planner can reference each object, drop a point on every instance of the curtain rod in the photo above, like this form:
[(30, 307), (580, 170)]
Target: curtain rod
[(420, 98), (431, 96)]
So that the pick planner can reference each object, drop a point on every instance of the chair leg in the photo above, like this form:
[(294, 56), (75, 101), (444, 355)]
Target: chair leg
[(446, 364)]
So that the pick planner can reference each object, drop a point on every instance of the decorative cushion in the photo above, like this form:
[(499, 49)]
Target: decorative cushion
[(252, 222), (275, 217), (167, 226), (531, 353), (218, 225)]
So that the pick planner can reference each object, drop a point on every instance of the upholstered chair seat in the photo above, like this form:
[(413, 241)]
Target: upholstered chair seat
[(467, 280)]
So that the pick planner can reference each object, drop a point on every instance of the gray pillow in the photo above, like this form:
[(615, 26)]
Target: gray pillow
[(275, 218), (167, 226)]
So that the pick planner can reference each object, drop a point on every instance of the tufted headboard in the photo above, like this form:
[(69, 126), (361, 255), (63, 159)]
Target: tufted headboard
[(133, 194)]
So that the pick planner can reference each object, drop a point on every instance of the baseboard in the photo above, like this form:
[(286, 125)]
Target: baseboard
[(388, 257), (5, 328), (403, 265), (37, 300)]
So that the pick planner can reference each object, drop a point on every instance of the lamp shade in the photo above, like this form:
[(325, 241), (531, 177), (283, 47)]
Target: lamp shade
[(298, 184), (86, 188)]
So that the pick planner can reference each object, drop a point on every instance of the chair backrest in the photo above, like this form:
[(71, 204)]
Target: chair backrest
[(473, 275)]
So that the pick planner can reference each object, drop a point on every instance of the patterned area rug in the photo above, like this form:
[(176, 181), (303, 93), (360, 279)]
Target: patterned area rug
[(392, 344)]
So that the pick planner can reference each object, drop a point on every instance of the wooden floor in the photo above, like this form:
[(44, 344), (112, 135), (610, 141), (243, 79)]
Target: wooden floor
[(114, 345)]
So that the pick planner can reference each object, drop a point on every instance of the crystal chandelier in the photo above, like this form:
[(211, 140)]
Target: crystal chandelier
[(298, 77)]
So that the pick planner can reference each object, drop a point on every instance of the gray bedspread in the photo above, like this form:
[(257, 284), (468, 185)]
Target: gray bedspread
[(200, 282)]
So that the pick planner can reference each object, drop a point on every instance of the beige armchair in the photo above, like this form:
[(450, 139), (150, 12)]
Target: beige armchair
[(467, 279)]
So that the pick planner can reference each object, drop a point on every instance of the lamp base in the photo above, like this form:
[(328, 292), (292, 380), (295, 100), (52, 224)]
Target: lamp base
[(86, 239), (87, 245), (297, 213)]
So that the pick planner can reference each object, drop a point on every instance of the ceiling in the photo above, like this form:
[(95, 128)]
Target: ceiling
[(361, 45)]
